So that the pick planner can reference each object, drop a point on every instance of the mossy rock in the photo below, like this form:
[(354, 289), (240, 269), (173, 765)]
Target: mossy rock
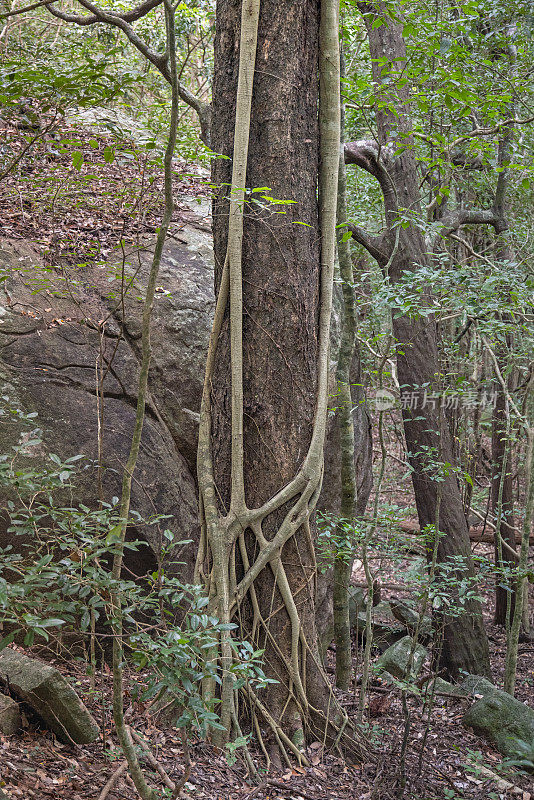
[(384, 634), (396, 658), (44, 689), (9, 715), (407, 613), (504, 721)]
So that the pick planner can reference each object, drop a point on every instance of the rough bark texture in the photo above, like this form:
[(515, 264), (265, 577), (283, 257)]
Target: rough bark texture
[(331, 492), (427, 435), (280, 288), (502, 498), (280, 259)]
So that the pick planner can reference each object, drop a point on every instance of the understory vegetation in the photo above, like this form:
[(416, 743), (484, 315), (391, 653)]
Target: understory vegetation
[(266, 399)]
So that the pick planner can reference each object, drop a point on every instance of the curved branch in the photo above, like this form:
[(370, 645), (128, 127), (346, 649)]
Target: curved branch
[(463, 216), (371, 156), (366, 154), (375, 245), (130, 16), (15, 12)]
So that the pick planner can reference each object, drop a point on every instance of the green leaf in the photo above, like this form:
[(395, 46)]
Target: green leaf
[(114, 535), (8, 639), (51, 623), (77, 159)]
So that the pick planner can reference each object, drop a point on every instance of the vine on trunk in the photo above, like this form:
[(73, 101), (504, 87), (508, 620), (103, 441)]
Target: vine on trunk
[(223, 543)]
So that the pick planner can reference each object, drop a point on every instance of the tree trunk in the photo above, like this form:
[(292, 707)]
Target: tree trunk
[(280, 292), (502, 491), (330, 501), (428, 439), (502, 503), (258, 526)]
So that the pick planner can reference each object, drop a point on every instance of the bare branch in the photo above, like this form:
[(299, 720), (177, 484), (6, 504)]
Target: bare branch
[(129, 16), (466, 216), (17, 11), (370, 156), (364, 153), (462, 216), (501, 380), (477, 132), (450, 147), (373, 244)]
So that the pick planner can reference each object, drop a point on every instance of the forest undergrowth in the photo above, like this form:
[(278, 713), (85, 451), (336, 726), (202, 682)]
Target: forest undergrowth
[(36, 765), (78, 195)]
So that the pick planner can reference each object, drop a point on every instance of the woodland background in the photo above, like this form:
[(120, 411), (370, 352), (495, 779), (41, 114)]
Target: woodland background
[(276, 265)]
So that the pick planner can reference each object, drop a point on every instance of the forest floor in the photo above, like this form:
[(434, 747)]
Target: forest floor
[(77, 195), (441, 758), (81, 192)]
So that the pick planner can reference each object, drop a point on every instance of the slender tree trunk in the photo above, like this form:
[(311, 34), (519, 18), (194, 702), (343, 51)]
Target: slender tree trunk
[(510, 667), (349, 486), (502, 492), (428, 439), (330, 501), (502, 504)]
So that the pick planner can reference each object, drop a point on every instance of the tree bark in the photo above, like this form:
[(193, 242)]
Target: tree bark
[(263, 518), (280, 291), (502, 502), (502, 490)]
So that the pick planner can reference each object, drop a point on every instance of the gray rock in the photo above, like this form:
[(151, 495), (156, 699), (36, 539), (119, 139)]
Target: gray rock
[(9, 715), (49, 347), (504, 721), (475, 684), (385, 633), (406, 612), (382, 612), (440, 685), (395, 659), (104, 120), (356, 603), (50, 696)]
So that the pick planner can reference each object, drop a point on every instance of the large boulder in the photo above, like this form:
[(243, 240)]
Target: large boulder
[(501, 719), (49, 344), (54, 700)]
